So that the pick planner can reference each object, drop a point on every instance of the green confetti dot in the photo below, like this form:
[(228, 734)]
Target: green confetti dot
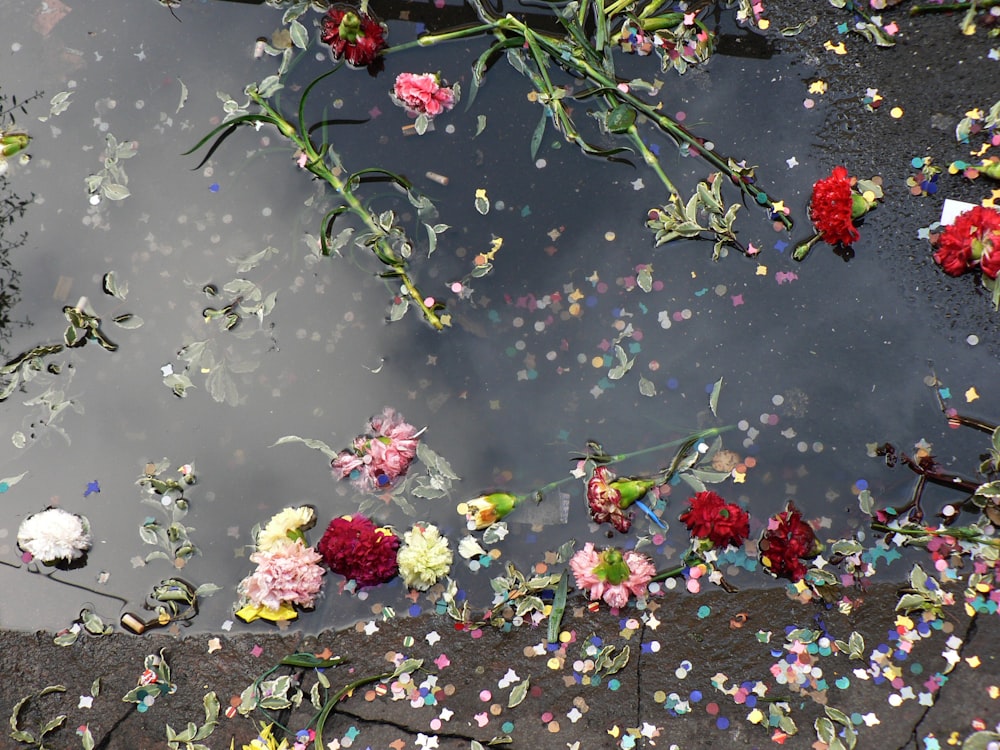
[(917, 162), (613, 684), (843, 683), (917, 668), (857, 718), (762, 198), (507, 727), (704, 611)]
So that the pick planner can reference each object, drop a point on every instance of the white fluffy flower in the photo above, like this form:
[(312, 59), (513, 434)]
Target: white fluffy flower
[(424, 557), (54, 534)]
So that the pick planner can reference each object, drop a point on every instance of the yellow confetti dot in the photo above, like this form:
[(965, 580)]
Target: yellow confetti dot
[(739, 477), (609, 236), (971, 395), (597, 362), (778, 207), (993, 691), (973, 661), (870, 196), (905, 622), (614, 731), (574, 309), (481, 192), (896, 112), (762, 270), (837, 49), (818, 87), (565, 636), (756, 716), (553, 663)]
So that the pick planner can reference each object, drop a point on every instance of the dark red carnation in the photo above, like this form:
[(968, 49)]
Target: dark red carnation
[(604, 500), (974, 237), (352, 35), (786, 542), (355, 548), (832, 207), (710, 517)]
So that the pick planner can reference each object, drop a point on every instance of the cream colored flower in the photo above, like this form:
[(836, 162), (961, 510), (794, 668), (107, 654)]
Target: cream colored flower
[(424, 557), (288, 520)]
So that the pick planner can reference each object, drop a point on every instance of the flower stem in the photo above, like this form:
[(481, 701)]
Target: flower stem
[(428, 40), (979, 424), (316, 164), (803, 248), (331, 704), (963, 533), (946, 7)]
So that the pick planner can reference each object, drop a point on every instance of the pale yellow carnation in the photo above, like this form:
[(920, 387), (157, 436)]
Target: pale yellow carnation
[(277, 529), (424, 557)]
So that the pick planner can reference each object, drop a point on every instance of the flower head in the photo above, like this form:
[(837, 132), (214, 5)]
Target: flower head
[(972, 239), (611, 575), (54, 534), (712, 518), (423, 94), (288, 574), (832, 208), (486, 510), (786, 541), (285, 526), (355, 548), (355, 36), (424, 557), (382, 455), (608, 497)]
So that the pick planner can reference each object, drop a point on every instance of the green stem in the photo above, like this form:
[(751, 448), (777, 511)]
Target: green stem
[(960, 533), (945, 7), (332, 704), (428, 40), (316, 164)]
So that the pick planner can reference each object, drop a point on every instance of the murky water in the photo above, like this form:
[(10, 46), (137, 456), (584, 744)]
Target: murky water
[(817, 359)]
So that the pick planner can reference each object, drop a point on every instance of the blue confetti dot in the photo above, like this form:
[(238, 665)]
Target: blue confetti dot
[(722, 722), (214, 187), (672, 384), (861, 484)]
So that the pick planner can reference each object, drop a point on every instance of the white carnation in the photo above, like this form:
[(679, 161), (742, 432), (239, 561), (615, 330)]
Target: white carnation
[(54, 534)]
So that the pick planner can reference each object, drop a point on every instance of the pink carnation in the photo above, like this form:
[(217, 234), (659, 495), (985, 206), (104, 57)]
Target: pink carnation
[(382, 455), (287, 573), (611, 575), (423, 94)]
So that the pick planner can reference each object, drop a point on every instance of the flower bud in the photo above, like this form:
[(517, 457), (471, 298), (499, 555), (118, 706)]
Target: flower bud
[(13, 143), (486, 510), (631, 490), (350, 26)]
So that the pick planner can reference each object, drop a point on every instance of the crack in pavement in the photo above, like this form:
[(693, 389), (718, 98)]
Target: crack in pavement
[(967, 636), (404, 727)]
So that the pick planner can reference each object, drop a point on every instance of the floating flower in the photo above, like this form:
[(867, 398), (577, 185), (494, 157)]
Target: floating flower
[(712, 518), (972, 239), (382, 455), (786, 541), (286, 525), (53, 535), (287, 575), (352, 35), (486, 510), (608, 497), (611, 575), (357, 549), (834, 208), (423, 94), (424, 557)]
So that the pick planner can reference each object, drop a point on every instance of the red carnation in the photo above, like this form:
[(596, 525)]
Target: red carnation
[(832, 208), (355, 548), (973, 238), (786, 541), (355, 36), (710, 517)]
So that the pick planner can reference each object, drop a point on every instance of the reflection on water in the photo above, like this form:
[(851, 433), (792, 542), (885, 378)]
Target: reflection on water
[(522, 380)]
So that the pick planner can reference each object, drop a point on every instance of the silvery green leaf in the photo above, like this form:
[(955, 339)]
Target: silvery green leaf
[(250, 262), (95, 687), (19, 439), (646, 387), (270, 86), (482, 203), (495, 533), (126, 150), (128, 321), (66, 639), (518, 693), (300, 37), (480, 124), (398, 309), (421, 124), (11, 481), (310, 442), (431, 239), (115, 191), (51, 724), (645, 279), (178, 382), (713, 399), (408, 666), (207, 589), (113, 287)]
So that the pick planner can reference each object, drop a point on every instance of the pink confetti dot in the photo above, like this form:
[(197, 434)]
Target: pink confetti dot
[(435, 724), (546, 717), (485, 695), (808, 104)]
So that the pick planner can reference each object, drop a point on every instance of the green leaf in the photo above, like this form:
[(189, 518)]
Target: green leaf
[(112, 287), (980, 740), (536, 137), (52, 724), (480, 124), (114, 191), (518, 693), (86, 738), (409, 666), (713, 399), (310, 442), (128, 321), (300, 37), (648, 388), (645, 279)]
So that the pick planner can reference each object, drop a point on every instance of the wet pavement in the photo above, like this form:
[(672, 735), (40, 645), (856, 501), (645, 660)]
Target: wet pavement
[(705, 670)]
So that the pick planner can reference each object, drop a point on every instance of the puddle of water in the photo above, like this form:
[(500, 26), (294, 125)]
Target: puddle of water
[(519, 383)]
